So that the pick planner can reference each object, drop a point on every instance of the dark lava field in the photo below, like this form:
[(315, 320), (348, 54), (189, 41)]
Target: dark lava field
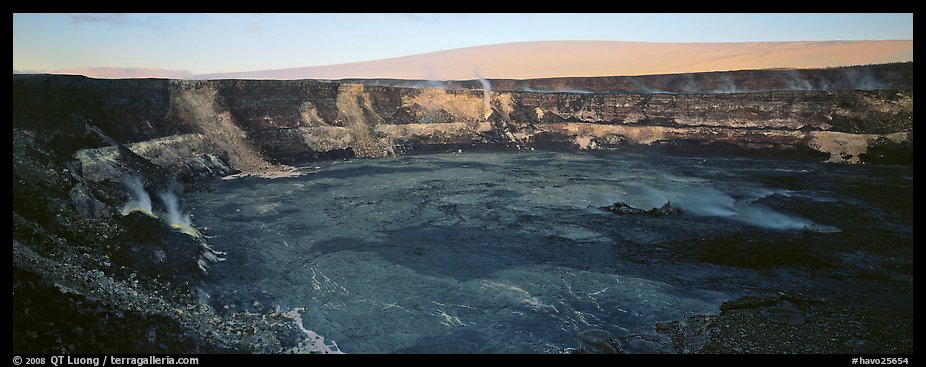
[(516, 252)]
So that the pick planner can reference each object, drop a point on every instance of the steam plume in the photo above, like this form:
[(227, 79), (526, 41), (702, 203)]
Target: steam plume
[(433, 80), (797, 82), (174, 216), (706, 201), (862, 79), (727, 85), (486, 94), (140, 200)]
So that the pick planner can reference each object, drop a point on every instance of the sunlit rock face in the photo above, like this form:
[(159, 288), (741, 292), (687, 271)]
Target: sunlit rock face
[(203, 128)]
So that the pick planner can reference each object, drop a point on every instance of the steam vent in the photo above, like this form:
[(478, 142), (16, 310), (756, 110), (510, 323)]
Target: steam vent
[(758, 211)]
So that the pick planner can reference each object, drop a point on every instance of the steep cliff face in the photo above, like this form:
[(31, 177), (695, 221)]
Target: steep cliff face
[(311, 118), (189, 126)]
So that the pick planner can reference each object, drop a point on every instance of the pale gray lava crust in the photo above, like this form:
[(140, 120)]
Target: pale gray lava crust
[(511, 252)]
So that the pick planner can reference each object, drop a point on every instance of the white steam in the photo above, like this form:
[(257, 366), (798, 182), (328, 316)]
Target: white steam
[(727, 85), (691, 85), (762, 216), (140, 200), (486, 94), (863, 79), (173, 209), (705, 201), (797, 82), (433, 80), (174, 216), (643, 89)]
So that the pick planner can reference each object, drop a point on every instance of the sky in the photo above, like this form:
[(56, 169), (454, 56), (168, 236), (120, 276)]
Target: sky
[(210, 43)]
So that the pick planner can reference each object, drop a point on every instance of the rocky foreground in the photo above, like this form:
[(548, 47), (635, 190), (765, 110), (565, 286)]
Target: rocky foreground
[(87, 278), (781, 323)]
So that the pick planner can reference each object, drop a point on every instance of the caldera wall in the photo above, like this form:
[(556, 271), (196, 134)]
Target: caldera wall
[(256, 125)]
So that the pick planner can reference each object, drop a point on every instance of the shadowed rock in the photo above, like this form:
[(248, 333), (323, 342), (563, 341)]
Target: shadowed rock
[(153, 248), (621, 208), (596, 341), (646, 342)]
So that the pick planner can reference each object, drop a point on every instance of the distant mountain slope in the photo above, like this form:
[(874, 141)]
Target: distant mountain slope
[(107, 72), (525, 60)]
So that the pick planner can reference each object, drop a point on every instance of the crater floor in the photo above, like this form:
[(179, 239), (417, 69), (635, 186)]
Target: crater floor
[(511, 252)]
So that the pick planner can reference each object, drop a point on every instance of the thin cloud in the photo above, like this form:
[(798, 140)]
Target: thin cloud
[(117, 19)]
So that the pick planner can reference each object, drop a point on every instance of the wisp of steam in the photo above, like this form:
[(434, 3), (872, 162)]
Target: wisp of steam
[(862, 79), (486, 94), (706, 201), (433, 80), (140, 200), (797, 82), (174, 217), (727, 85)]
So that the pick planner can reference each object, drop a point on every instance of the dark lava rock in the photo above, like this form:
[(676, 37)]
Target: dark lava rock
[(784, 313), (200, 169), (646, 342), (789, 323), (596, 341), (621, 208), (152, 248), (54, 320), (748, 302), (662, 326), (693, 334), (666, 209), (866, 346), (86, 204)]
